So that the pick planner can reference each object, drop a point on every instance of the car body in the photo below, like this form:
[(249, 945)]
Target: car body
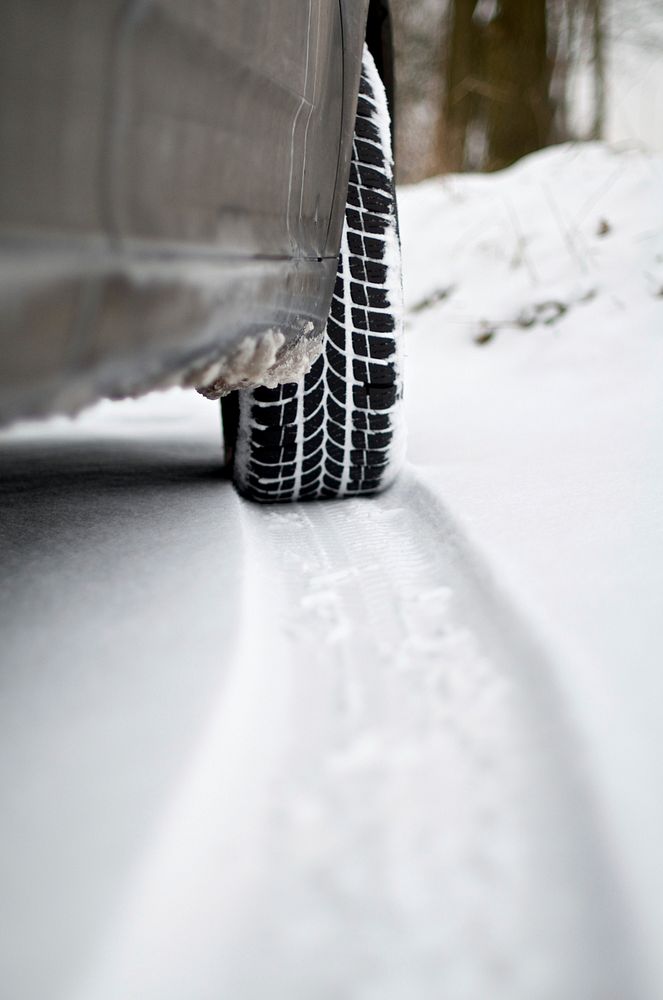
[(173, 179)]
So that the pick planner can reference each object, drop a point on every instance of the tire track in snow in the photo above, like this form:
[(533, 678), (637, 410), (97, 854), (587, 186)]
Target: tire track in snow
[(436, 828), (389, 795)]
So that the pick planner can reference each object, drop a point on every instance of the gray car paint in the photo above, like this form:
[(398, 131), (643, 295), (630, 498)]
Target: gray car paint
[(172, 179)]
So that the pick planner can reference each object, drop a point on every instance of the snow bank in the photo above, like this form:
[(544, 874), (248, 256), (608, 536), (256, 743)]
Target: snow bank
[(535, 394)]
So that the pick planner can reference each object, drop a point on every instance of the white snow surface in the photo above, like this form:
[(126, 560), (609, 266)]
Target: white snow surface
[(546, 444), (407, 747)]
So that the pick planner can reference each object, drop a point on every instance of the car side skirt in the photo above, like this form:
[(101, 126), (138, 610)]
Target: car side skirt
[(81, 320)]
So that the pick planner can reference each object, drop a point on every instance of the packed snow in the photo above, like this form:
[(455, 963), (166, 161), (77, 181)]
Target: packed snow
[(384, 749)]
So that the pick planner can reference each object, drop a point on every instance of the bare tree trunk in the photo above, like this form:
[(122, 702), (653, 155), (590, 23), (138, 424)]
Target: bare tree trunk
[(598, 124), (460, 96), (520, 111)]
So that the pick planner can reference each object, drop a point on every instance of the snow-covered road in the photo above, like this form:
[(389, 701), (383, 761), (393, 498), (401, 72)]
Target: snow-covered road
[(296, 752), (370, 750)]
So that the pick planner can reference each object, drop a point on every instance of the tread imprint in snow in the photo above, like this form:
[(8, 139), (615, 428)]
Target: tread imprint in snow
[(333, 433)]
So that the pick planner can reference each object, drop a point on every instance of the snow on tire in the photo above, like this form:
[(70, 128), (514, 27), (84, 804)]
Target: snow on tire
[(338, 432)]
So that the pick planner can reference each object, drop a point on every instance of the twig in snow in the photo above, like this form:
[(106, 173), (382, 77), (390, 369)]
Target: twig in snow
[(598, 194), (432, 300), (546, 313), (565, 231), (486, 333), (521, 242)]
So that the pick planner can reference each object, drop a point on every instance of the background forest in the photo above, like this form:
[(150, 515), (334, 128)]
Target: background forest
[(483, 82)]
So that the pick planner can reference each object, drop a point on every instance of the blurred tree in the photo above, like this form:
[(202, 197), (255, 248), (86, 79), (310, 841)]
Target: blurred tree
[(516, 81), (463, 61)]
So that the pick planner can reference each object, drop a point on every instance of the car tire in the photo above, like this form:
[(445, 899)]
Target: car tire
[(339, 431)]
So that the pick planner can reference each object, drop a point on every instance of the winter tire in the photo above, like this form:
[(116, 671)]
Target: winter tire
[(338, 432)]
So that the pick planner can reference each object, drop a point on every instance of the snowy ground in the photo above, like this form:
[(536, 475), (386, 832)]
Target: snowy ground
[(375, 750), (548, 443)]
